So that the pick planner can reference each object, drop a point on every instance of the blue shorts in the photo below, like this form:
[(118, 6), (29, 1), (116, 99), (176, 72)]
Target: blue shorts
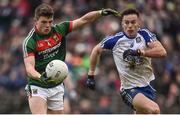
[(128, 94)]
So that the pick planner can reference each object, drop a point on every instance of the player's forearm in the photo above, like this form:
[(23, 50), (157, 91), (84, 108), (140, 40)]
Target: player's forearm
[(91, 16), (31, 72), (93, 62), (94, 58), (69, 84), (86, 19), (155, 51), (30, 67)]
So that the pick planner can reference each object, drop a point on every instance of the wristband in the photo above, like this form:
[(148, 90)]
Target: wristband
[(100, 12), (140, 52), (91, 76)]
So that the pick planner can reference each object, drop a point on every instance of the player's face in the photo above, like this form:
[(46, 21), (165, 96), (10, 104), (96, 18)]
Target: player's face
[(130, 25), (44, 24)]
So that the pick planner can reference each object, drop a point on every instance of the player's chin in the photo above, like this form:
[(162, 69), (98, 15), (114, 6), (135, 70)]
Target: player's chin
[(46, 32), (132, 35)]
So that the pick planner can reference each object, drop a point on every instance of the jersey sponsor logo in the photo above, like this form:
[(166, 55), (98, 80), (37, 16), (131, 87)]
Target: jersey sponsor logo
[(49, 42), (50, 55)]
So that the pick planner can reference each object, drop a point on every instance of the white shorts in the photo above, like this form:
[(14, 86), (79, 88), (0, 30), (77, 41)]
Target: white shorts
[(54, 96)]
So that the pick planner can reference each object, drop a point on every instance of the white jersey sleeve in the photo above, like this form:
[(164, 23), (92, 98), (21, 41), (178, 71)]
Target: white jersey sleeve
[(110, 41), (147, 35)]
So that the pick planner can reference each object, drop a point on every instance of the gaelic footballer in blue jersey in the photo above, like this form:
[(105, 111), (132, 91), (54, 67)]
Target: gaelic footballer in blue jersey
[(132, 51)]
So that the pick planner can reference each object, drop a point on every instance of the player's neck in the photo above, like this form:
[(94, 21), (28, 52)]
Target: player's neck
[(38, 32), (130, 37)]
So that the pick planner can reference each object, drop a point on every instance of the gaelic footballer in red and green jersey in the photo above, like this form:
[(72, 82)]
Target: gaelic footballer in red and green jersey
[(46, 48)]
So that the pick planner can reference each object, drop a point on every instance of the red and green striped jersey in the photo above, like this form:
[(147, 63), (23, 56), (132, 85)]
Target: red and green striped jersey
[(46, 48)]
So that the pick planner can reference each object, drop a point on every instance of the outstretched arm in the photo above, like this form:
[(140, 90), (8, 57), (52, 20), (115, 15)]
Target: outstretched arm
[(87, 18), (92, 16), (94, 58)]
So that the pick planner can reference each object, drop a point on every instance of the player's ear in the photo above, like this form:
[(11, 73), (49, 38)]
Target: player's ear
[(35, 20), (122, 24)]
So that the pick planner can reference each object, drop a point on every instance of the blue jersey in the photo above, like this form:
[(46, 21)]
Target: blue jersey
[(142, 73)]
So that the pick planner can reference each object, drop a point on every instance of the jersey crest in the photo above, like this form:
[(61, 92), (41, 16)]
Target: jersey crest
[(138, 40), (55, 37)]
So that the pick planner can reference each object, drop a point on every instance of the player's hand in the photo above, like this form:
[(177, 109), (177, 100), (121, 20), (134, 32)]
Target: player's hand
[(130, 54), (130, 59), (105, 12), (44, 78), (90, 83)]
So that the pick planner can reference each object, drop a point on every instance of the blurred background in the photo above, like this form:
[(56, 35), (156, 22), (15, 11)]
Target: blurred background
[(160, 16)]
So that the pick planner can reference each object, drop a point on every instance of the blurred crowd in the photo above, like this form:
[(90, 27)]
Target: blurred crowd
[(160, 16)]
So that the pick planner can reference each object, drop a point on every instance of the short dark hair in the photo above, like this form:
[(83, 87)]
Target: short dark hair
[(44, 10), (129, 11)]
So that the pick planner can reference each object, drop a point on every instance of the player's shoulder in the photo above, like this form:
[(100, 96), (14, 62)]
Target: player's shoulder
[(147, 35), (112, 39), (30, 36), (145, 32), (63, 27), (61, 24), (119, 34), (115, 36)]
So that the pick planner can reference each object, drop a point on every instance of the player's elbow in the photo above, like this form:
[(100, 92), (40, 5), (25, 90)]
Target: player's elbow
[(97, 49), (163, 53), (154, 110)]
